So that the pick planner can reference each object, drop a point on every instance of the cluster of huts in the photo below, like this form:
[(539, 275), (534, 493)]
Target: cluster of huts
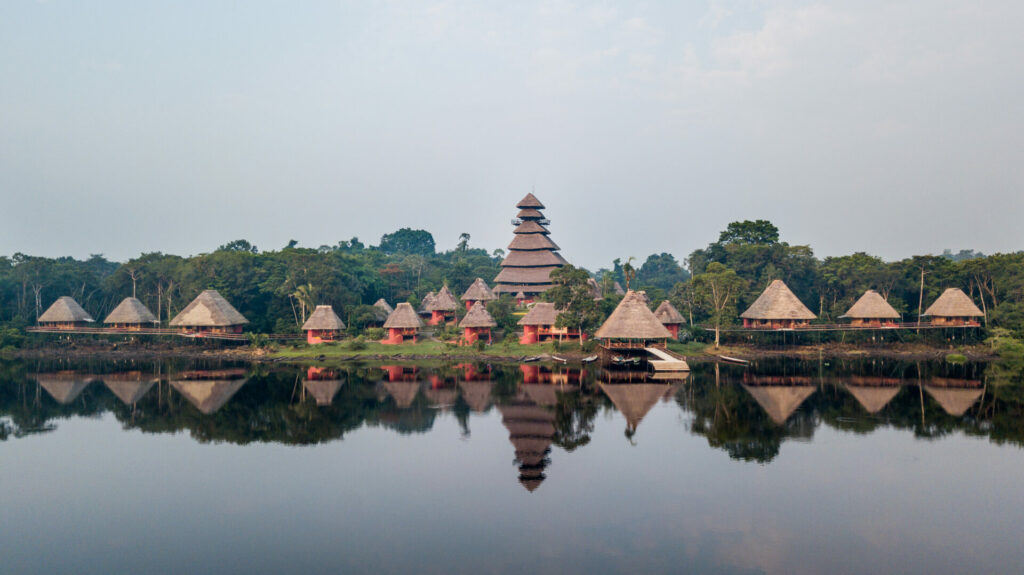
[(209, 313)]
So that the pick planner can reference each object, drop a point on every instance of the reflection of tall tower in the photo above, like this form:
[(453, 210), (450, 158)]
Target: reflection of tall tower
[(530, 429), (532, 256)]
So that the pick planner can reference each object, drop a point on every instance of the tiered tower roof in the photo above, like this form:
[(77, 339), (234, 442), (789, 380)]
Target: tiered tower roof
[(532, 255)]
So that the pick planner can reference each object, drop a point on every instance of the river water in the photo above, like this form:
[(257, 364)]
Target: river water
[(779, 467)]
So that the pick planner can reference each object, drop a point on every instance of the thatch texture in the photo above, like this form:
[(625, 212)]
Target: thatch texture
[(529, 214), (520, 295), (383, 305), (131, 311), (476, 394), (618, 289), (778, 302), (403, 392), (541, 275), (208, 396), (444, 301), (542, 313), (544, 395), (953, 303), (530, 202), (209, 309), (478, 316), (538, 258), (404, 317), (65, 386), (131, 386), (530, 227), (323, 390), (871, 305), (427, 305), (531, 429), (479, 291), (873, 398), (954, 400), (632, 320), (441, 397), (780, 402), (323, 318), (65, 310), (667, 314), (634, 400), (526, 242)]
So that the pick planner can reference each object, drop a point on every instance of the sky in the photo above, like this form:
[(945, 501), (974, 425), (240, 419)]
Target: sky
[(890, 127)]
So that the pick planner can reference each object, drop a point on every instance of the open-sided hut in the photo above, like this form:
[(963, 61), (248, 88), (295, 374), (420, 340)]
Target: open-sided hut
[(532, 256), (402, 325), (669, 317), (442, 307), (477, 324), (209, 313), (954, 308), (131, 314), (63, 386), (778, 401), (777, 308), (478, 291), (871, 310), (65, 313), (632, 326), (130, 386), (539, 325), (323, 325), (634, 400)]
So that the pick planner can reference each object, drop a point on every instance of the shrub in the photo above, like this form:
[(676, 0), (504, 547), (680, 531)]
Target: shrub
[(481, 345), (374, 333), (357, 344)]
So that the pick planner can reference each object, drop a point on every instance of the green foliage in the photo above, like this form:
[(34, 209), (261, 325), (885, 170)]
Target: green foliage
[(258, 340), (750, 232), (374, 333), (956, 358), (357, 344), (10, 337), (573, 296), (481, 345), (660, 271), (408, 241)]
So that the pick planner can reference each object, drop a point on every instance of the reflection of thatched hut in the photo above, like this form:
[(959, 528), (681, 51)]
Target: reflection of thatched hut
[(780, 402), (63, 386), (544, 395), (476, 394), (531, 429), (65, 313), (478, 291), (441, 397), (871, 310), (402, 324), (954, 308), (323, 325), (403, 392), (955, 396), (323, 390), (130, 386), (131, 314), (873, 398), (777, 308), (208, 396), (209, 313), (477, 324), (670, 317), (634, 400), (632, 325)]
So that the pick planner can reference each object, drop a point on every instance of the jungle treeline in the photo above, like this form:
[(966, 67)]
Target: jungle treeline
[(276, 289)]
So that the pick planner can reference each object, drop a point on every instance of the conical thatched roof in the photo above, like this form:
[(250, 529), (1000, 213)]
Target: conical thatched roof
[(209, 309), (65, 310), (427, 304), (619, 290), (64, 387), (520, 295), (632, 320), (953, 303), (404, 317), (208, 396), (323, 318), (479, 291), (778, 302), (403, 392), (528, 242), (130, 387), (954, 400), (384, 305), (542, 313), (541, 394), (667, 314), (323, 390), (873, 398), (529, 213), (871, 305), (444, 301), (529, 259), (441, 397), (530, 202), (779, 402), (634, 400), (477, 394), (478, 316), (530, 227), (131, 311)]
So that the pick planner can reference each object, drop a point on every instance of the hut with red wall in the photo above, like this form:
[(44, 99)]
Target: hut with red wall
[(323, 325), (131, 314), (670, 317), (955, 309), (477, 324), (871, 310), (65, 313), (777, 308), (539, 326), (402, 325), (478, 291)]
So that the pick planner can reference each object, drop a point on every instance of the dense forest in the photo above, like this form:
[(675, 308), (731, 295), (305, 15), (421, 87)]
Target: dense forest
[(275, 289)]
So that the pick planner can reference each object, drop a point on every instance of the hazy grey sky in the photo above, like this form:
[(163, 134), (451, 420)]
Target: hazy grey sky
[(884, 126)]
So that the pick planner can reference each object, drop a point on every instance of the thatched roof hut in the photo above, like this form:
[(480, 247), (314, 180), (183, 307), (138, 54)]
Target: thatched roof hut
[(323, 318), (632, 320), (634, 400), (777, 302), (479, 291), (871, 305), (404, 317), (63, 386), (383, 305), (780, 402), (209, 309), (542, 313), (477, 394), (953, 303), (530, 202), (403, 392), (66, 311), (955, 400), (478, 317), (667, 314), (208, 396), (131, 311), (873, 398), (444, 301), (427, 305), (323, 390), (130, 386)]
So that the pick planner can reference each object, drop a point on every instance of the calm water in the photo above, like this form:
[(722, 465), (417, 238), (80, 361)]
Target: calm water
[(782, 467)]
